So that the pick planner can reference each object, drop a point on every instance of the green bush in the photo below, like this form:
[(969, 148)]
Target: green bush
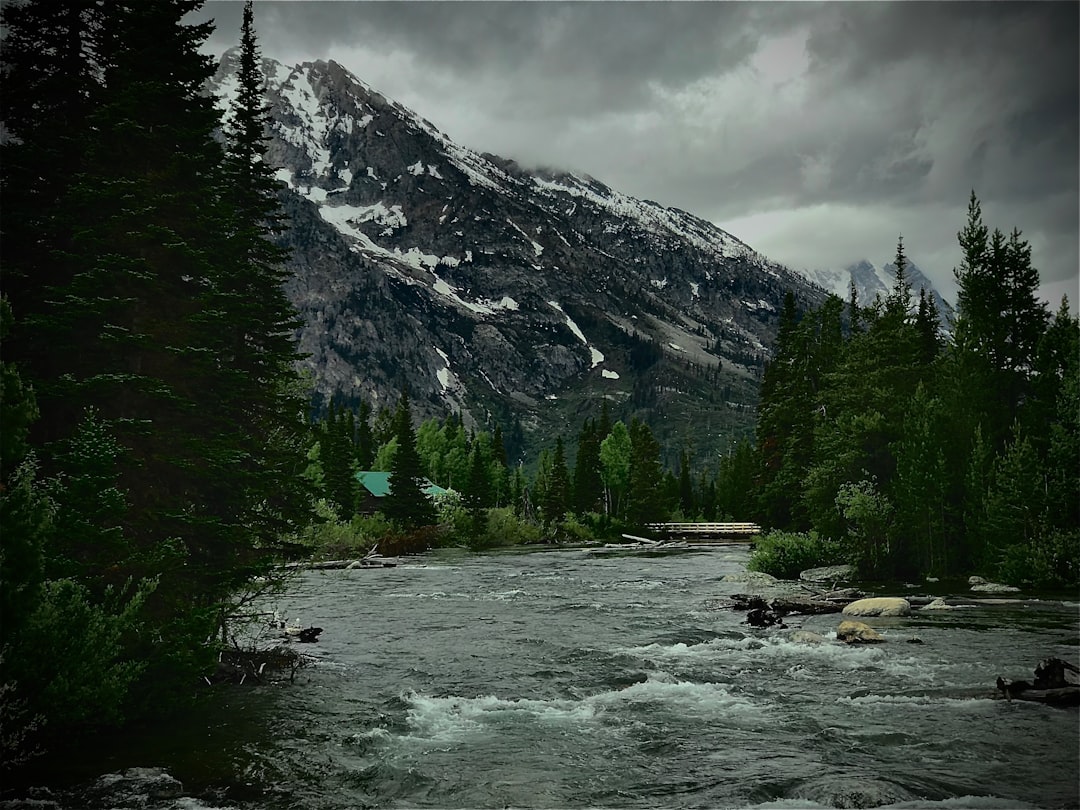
[(330, 537), (504, 528), (572, 530), (1051, 561), (786, 554)]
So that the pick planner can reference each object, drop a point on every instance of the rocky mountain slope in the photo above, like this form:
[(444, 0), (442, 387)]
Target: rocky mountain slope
[(512, 296)]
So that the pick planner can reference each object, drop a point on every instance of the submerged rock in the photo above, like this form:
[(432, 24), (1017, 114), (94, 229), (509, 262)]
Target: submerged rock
[(879, 606), (852, 632)]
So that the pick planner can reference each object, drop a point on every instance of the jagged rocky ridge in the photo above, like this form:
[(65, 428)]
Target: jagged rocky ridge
[(872, 281), (505, 294)]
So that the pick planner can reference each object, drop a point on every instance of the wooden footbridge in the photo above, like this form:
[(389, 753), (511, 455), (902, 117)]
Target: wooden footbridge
[(708, 532)]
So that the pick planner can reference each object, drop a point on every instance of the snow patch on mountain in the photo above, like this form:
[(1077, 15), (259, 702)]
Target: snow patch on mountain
[(596, 355), (537, 247)]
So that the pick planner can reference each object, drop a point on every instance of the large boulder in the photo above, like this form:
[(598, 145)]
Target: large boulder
[(852, 632), (829, 573), (879, 606)]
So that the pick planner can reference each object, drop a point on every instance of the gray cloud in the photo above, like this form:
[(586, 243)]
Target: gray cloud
[(821, 129)]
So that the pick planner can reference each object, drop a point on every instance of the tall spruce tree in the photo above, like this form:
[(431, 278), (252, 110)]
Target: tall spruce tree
[(588, 486), (406, 503), (557, 493), (644, 500), (266, 404)]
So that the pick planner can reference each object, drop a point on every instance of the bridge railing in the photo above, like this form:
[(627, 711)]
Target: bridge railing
[(747, 529)]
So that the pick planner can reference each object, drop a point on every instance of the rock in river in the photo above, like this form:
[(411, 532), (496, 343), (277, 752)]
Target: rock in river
[(806, 637), (879, 606), (829, 573), (851, 632)]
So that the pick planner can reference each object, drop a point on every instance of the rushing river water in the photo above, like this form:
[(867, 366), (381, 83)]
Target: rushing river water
[(574, 680)]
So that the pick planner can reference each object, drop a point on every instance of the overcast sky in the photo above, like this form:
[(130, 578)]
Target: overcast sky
[(816, 133)]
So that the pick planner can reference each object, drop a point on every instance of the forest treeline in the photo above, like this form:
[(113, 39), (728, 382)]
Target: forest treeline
[(885, 442), (158, 459)]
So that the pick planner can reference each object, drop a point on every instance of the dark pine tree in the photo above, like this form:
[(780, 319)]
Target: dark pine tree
[(556, 497), (687, 502), (645, 497), (365, 443), (406, 503), (588, 489)]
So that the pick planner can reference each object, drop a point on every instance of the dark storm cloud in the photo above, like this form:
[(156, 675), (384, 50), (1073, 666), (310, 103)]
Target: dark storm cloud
[(619, 46), (820, 129)]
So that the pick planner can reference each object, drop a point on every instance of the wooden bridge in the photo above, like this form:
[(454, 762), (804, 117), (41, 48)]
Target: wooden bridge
[(709, 532)]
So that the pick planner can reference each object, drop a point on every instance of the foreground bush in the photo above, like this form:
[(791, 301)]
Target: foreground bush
[(1049, 561), (786, 554)]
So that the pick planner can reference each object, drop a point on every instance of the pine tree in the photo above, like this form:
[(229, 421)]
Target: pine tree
[(365, 444), (687, 501), (476, 494), (588, 488), (644, 497), (557, 493), (928, 327), (406, 503)]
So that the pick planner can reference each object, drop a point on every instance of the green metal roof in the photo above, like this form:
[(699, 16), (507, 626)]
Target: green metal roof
[(378, 484)]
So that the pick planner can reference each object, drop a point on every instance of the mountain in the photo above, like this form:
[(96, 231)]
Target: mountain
[(509, 295), (871, 281)]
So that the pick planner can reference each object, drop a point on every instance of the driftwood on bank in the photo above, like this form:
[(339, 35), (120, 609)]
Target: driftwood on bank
[(1057, 683)]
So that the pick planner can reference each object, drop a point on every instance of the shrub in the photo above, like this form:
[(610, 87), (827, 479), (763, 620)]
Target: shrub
[(504, 528), (786, 554), (572, 530), (1050, 561)]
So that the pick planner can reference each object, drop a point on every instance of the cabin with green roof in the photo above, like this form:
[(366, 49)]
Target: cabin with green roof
[(375, 485)]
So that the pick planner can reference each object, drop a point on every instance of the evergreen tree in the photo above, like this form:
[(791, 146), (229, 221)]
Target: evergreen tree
[(687, 502), (588, 486), (406, 503), (365, 443), (557, 493), (928, 327), (476, 494), (644, 500), (338, 455)]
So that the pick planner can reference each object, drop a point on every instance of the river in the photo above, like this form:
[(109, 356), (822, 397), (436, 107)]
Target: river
[(566, 679)]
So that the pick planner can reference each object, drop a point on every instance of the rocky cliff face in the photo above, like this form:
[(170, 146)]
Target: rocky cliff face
[(871, 281), (506, 294)]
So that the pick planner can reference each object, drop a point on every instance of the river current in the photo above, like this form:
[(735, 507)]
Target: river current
[(568, 679)]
